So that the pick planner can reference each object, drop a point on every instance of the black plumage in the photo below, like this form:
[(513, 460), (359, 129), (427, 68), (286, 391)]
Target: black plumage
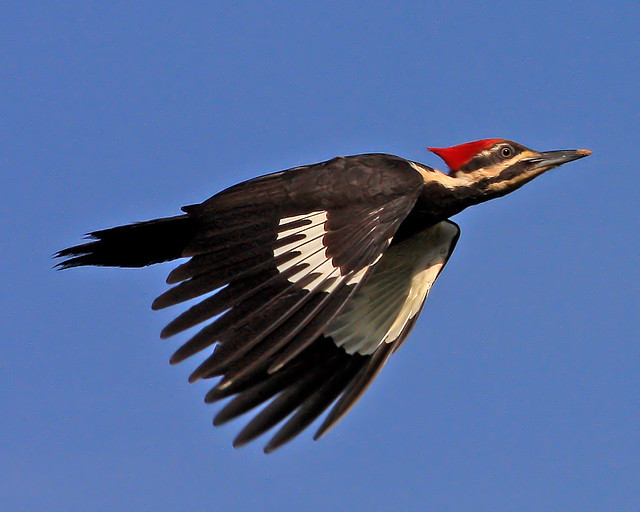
[(309, 279), (268, 329)]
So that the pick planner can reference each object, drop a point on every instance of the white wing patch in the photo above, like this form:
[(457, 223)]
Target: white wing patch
[(393, 295), (310, 244)]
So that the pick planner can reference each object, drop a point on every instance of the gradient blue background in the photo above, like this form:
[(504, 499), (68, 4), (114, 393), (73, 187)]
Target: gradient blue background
[(519, 388)]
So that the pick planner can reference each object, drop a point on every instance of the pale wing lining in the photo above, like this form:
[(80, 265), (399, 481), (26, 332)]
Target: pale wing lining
[(394, 293)]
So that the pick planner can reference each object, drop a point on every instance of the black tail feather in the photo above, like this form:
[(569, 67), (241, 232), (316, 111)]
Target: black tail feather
[(133, 245)]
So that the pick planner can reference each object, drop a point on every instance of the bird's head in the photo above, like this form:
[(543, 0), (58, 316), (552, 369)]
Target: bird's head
[(495, 167)]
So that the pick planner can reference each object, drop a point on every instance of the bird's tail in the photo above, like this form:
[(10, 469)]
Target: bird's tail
[(133, 245)]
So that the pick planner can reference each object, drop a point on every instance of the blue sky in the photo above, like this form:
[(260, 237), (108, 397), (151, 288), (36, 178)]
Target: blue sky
[(519, 387)]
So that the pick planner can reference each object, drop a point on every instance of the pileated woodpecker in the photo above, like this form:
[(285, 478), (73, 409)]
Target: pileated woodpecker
[(318, 272)]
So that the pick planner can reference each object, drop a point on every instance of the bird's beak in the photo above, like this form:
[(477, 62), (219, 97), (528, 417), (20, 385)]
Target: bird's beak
[(549, 159)]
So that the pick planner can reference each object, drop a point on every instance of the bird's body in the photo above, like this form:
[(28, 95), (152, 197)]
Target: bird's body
[(310, 278)]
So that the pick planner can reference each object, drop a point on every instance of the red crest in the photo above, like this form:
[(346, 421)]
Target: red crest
[(456, 156)]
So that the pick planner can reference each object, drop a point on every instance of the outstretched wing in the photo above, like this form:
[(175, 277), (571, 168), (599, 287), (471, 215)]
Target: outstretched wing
[(384, 309), (298, 280), (284, 253), (347, 352), (285, 256)]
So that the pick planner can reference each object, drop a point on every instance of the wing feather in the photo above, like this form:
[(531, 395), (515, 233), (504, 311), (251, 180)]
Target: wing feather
[(283, 256), (355, 389), (302, 291)]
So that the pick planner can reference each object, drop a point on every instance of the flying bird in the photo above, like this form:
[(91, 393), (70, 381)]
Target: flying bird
[(308, 279)]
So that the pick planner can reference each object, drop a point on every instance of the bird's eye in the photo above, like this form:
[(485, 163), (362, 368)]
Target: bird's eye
[(506, 151)]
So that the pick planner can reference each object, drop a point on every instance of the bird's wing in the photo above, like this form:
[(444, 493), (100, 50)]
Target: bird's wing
[(392, 296), (370, 327), (284, 253), (384, 309)]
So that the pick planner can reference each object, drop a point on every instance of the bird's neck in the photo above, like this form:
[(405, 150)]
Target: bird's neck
[(444, 195)]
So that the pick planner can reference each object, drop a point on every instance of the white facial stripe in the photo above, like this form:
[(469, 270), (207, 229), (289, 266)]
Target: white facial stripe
[(435, 175), (393, 295), (494, 170), (421, 169), (461, 179)]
